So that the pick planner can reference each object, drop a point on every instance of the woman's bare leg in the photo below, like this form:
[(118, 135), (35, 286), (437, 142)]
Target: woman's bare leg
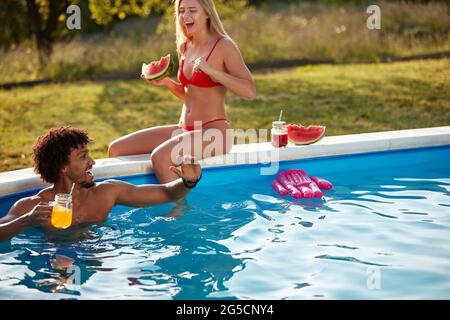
[(196, 143), (143, 141)]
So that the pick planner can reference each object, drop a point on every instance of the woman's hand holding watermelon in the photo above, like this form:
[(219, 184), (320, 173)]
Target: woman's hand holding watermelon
[(158, 72), (162, 82)]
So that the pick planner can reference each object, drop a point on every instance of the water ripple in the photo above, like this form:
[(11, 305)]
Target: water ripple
[(248, 242), (350, 259), (338, 246)]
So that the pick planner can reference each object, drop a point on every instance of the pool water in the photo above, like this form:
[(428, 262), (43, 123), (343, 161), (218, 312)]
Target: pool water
[(383, 232)]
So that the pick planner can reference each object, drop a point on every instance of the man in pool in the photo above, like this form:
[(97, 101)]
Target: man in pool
[(61, 156)]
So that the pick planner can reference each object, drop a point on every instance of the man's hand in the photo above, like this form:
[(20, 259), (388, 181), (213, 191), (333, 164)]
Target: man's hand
[(41, 215), (187, 168)]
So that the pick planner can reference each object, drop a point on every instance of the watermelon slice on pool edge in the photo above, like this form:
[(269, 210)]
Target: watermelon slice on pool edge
[(301, 135), (157, 70)]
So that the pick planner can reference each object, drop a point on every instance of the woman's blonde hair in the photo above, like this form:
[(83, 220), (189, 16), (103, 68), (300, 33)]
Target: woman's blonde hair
[(215, 25)]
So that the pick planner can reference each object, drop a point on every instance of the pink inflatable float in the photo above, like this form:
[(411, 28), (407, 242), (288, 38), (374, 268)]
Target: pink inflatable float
[(297, 183)]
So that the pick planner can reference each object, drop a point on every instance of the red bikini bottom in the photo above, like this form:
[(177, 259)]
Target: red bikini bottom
[(192, 128)]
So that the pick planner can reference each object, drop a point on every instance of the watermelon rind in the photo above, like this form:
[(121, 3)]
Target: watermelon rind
[(164, 73), (296, 142)]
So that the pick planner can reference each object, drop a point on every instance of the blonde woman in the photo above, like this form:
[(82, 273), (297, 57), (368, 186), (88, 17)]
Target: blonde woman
[(210, 64)]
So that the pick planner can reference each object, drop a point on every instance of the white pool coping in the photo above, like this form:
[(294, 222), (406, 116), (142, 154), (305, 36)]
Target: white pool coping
[(24, 180)]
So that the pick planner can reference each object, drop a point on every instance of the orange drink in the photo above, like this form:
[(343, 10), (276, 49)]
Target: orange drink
[(62, 211), (61, 217)]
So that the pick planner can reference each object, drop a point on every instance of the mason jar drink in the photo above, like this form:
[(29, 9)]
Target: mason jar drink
[(279, 134), (62, 211)]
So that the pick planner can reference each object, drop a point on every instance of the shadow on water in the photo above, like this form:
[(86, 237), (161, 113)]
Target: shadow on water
[(170, 252), (187, 253), (54, 260)]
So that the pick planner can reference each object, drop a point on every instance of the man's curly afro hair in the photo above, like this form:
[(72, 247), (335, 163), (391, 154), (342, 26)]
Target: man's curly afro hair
[(51, 150)]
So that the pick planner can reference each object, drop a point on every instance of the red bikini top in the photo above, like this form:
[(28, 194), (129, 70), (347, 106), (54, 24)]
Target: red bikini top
[(199, 78)]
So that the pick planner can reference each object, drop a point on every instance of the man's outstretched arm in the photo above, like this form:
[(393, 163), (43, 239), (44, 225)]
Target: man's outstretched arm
[(144, 195)]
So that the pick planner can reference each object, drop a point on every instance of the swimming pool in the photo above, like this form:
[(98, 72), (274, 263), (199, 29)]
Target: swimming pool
[(382, 233)]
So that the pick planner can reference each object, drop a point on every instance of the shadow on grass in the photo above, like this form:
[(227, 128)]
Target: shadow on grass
[(344, 105), (347, 105), (133, 105)]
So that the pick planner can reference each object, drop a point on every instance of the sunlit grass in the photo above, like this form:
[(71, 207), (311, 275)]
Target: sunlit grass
[(347, 99)]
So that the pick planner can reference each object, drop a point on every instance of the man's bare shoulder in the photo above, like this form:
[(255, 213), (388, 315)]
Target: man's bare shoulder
[(45, 195), (109, 190), (25, 205), (110, 186)]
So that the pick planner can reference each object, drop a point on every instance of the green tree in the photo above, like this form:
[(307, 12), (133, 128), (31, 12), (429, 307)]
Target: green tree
[(105, 11), (13, 18), (44, 20)]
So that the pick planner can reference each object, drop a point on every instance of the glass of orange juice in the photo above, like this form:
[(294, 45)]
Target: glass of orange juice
[(62, 211)]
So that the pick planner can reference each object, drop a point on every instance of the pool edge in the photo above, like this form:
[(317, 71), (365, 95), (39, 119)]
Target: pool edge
[(13, 182)]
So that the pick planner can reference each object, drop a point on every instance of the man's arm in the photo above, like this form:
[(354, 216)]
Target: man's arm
[(144, 195), (148, 194), (25, 213)]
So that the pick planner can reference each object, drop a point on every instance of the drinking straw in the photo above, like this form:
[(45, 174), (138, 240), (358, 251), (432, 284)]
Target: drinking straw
[(281, 114), (71, 189)]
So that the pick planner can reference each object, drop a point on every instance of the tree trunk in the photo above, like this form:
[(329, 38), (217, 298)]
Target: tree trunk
[(45, 49), (43, 31)]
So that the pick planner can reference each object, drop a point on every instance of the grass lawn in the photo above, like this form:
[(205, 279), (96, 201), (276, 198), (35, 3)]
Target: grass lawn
[(345, 98)]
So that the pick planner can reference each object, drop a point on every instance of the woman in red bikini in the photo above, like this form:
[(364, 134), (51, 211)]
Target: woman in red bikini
[(210, 64)]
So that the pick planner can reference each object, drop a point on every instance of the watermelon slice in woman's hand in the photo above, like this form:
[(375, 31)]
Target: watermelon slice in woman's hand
[(301, 135), (157, 70)]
